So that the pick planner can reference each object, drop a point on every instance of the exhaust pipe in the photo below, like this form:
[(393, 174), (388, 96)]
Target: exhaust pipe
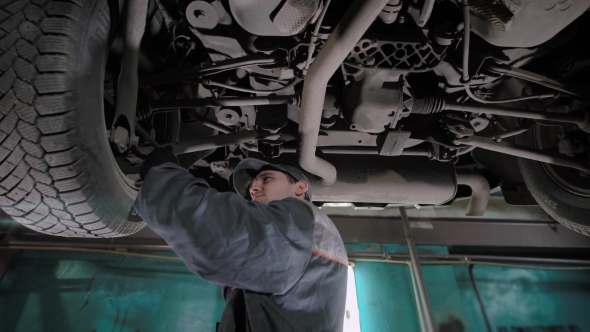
[(480, 191), (346, 35)]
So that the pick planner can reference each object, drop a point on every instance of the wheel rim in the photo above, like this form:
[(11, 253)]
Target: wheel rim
[(571, 180)]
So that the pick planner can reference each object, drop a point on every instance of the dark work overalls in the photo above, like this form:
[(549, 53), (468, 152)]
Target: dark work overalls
[(283, 265)]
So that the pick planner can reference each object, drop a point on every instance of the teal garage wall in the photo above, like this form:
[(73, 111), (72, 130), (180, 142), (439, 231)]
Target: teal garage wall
[(68, 291), (72, 291), (514, 299), (530, 300)]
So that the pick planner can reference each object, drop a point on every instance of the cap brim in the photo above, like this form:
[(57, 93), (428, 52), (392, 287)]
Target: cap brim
[(244, 172)]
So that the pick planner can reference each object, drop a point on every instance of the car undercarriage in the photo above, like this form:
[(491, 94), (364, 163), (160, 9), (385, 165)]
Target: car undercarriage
[(381, 102)]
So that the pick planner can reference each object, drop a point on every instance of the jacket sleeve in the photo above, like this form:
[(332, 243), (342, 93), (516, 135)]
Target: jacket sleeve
[(222, 237)]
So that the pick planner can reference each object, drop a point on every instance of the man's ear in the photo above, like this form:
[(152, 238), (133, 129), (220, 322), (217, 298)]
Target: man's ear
[(301, 188)]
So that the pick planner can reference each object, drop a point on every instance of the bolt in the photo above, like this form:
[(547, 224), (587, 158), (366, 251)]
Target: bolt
[(460, 128), (228, 116)]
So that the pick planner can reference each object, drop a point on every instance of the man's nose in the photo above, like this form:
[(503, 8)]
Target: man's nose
[(255, 186)]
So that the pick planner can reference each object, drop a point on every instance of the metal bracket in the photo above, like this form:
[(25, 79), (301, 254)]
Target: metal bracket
[(271, 117), (269, 150), (394, 143), (458, 126), (222, 168), (442, 153)]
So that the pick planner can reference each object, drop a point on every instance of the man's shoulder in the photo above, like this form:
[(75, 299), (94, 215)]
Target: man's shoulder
[(319, 216), (327, 241)]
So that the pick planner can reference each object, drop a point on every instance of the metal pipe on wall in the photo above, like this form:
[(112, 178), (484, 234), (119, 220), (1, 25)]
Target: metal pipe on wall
[(479, 299), (417, 271), (348, 32), (480, 190), (381, 256), (386, 256)]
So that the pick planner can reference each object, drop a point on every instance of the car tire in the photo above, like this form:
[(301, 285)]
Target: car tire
[(569, 209), (57, 172)]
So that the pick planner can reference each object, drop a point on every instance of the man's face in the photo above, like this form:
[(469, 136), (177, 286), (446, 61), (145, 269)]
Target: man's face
[(272, 185)]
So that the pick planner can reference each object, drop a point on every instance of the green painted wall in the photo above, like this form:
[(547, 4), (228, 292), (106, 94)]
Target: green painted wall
[(68, 291)]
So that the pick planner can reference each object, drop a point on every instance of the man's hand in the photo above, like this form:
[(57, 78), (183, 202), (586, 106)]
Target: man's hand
[(157, 157)]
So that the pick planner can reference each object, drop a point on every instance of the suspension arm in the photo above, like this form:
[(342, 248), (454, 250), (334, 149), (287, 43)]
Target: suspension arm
[(128, 81), (525, 152), (156, 105), (217, 141), (579, 118), (434, 104)]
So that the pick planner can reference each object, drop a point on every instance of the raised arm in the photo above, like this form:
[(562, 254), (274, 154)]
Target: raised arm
[(223, 238)]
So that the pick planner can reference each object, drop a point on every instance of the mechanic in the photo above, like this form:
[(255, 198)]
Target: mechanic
[(280, 261)]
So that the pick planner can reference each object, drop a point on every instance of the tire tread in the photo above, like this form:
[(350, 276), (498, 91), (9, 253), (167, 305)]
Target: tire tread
[(44, 182)]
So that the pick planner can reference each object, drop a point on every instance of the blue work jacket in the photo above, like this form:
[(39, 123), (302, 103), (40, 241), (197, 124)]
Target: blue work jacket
[(283, 265)]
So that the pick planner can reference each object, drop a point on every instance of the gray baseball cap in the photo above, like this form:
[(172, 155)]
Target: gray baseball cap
[(248, 168)]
